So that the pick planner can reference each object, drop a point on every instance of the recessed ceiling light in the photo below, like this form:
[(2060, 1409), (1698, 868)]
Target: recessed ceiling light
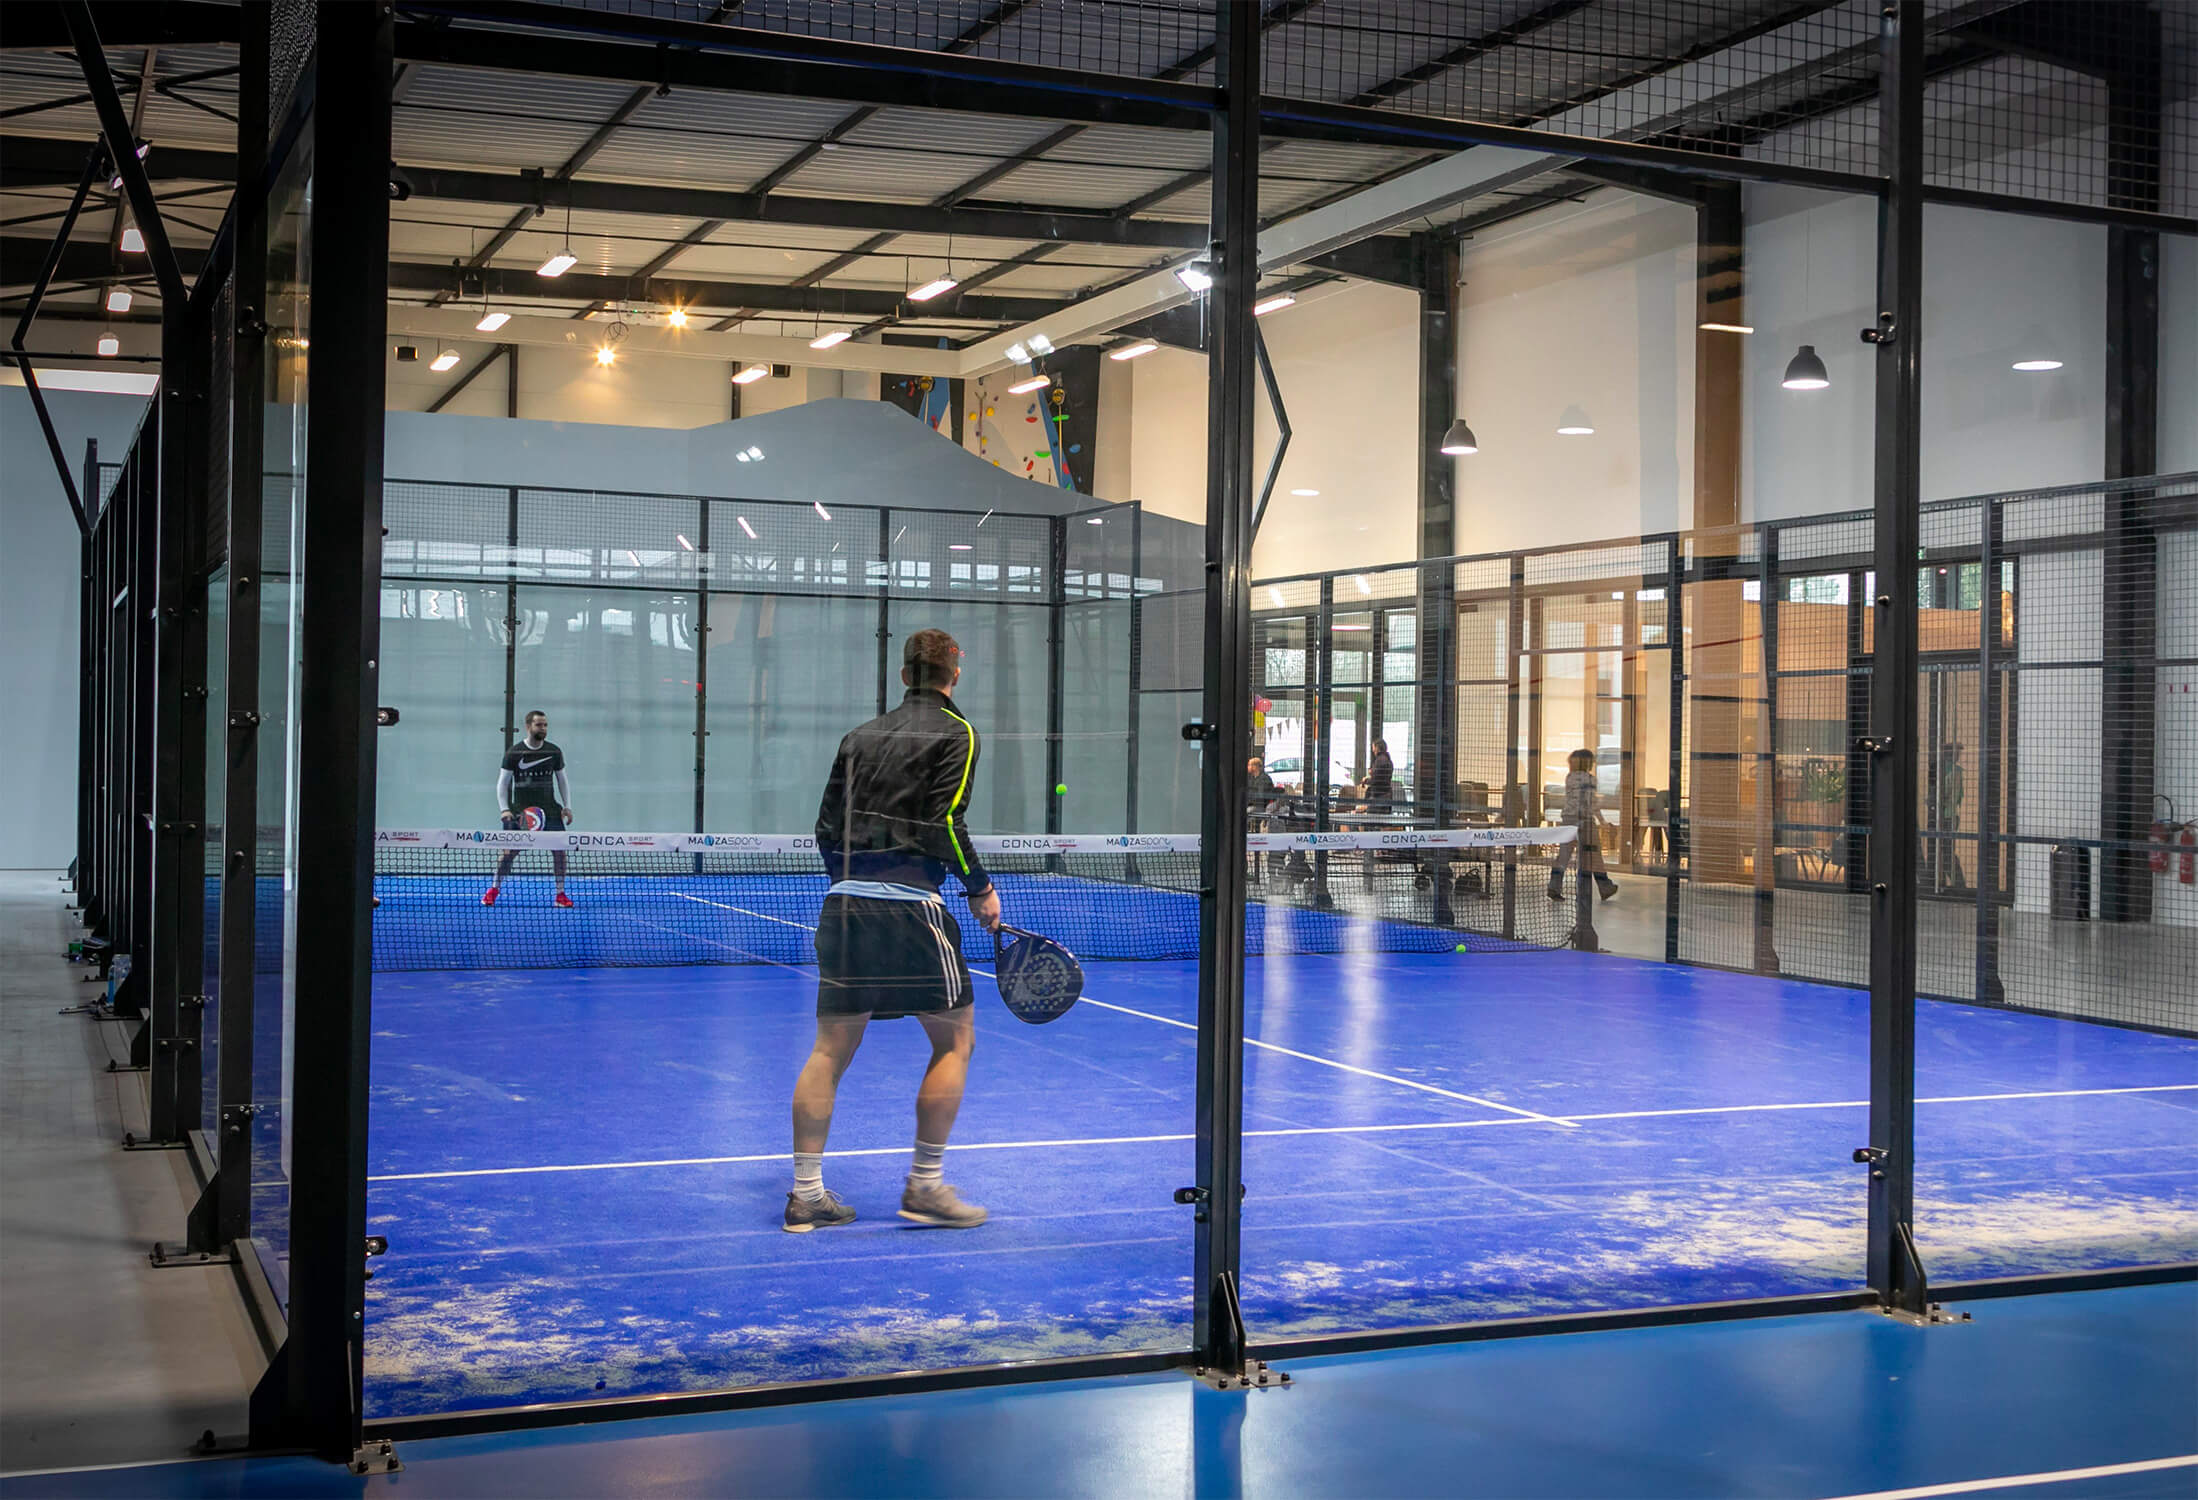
[(1273, 304), (828, 340), (444, 361), (490, 322), (1131, 351), (932, 288), (1034, 383), (558, 264)]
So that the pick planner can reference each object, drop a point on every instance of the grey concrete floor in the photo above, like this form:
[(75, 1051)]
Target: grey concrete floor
[(102, 1358)]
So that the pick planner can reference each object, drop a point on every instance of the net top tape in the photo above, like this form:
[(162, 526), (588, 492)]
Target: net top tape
[(992, 846)]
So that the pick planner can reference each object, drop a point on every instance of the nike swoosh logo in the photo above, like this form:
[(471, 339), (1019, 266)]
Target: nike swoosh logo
[(528, 765)]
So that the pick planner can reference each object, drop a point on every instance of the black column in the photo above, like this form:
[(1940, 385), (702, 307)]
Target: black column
[(341, 630), (1991, 752), (2129, 680), (1217, 1323), (1435, 719), (1893, 1273), (1056, 662)]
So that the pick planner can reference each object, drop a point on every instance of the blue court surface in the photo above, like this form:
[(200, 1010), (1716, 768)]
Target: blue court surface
[(2076, 1396), (581, 1172)]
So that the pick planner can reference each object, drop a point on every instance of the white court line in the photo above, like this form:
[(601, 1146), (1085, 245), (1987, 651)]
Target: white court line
[(2012, 1481), (1325, 1062), (1291, 1130), (1329, 1062)]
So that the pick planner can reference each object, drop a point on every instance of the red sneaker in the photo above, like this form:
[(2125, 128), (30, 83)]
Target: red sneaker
[(563, 899), (488, 897)]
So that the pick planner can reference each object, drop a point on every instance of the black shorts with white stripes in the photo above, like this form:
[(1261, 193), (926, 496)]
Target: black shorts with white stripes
[(888, 959)]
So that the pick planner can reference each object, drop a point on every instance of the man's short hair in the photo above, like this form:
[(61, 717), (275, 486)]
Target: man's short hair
[(931, 658), (534, 713)]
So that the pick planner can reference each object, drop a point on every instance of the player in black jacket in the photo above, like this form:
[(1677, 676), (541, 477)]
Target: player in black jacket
[(893, 824)]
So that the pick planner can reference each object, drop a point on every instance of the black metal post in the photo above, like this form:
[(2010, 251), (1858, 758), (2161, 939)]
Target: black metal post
[(1217, 1324), (511, 616), (1893, 1272), (885, 611), (1675, 803), (87, 672), (1990, 752), (1766, 755), (702, 664), (1514, 778), (142, 617), (1137, 664), (337, 679), (1056, 666)]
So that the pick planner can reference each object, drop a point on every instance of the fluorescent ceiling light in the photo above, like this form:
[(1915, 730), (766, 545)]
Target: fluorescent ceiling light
[(818, 507), (959, 547), (835, 337), (1308, 494), (2036, 366), (1726, 327), (1131, 351), (744, 526), (445, 360), (133, 241), (118, 300), (558, 264), (490, 322), (1020, 353), (932, 288), (1363, 586), (1096, 521), (1261, 308), (755, 453), (750, 374), (1040, 344), (1034, 383), (109, 344), (690, 546), (1275, 595), (103, 382), (1458, 439), (741, 458), (1197, 276)]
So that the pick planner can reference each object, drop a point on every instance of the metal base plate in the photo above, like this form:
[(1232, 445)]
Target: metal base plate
[(379, 1457), (1257, 1374), (1932, 1316)]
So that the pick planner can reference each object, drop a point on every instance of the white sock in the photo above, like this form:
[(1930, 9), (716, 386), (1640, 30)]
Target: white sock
[(929, 1165), (809, 1176)]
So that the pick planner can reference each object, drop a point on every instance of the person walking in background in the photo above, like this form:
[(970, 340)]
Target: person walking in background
[(1381, 779), (1580, 813)]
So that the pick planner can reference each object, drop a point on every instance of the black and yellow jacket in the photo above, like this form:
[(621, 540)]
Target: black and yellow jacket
[(897, 806)]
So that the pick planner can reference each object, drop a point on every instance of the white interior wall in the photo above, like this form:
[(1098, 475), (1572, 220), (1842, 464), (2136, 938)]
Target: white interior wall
[(1589, 306), (2178, 353), (41, 566)]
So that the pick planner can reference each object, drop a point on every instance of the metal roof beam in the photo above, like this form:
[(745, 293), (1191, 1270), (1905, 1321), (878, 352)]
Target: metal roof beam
[(501, 283)]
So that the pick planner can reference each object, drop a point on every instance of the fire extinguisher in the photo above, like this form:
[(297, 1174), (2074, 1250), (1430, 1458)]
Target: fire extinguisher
[(2163, 839)]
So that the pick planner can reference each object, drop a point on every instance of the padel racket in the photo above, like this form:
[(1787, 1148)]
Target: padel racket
[(1039, 979)]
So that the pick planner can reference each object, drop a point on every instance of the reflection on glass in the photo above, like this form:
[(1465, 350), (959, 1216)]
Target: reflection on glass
[(275, 961)]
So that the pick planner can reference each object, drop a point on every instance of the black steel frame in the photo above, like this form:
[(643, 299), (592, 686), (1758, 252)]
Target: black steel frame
[(139, 668)]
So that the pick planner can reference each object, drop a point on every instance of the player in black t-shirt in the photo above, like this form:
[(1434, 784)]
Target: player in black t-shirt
[(532, 793)]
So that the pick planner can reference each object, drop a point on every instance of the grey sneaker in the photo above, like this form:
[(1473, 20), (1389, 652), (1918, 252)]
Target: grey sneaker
[(939, 1206), (825, 1213)]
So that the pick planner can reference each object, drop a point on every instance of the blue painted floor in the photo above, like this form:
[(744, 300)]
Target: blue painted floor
[(580, 1173), (1835, 1404)]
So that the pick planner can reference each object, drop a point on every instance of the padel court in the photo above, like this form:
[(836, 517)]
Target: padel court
[(580, 1171)]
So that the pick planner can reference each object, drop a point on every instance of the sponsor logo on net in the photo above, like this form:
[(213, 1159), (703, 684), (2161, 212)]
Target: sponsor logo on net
[(399, 836), (615, 841), (1139, 841), (1021, 842), (517, 837)]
